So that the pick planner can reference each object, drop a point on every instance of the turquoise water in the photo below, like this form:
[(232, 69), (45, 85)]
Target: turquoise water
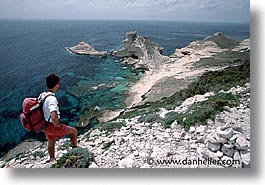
[(32, 49)]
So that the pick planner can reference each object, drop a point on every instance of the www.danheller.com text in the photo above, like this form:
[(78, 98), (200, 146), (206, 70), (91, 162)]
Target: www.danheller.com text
[(191, 162)]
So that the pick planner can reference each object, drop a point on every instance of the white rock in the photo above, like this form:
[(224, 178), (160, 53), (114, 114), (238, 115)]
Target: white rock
[(225, 132), (2, 164), (213, 146), (212, 138), (237, 157), (93, 165), (29, 166), (192, 129), (206, 153), (245, 156), (38, 165), (95, 132), (18, 166), (166, 135), (201, 129), (219, 139), (136, 153), (127, 162), (228, 150), (145, 166), (187, 137), (242, 143), (193, 146), (174, 125), (219, 153)]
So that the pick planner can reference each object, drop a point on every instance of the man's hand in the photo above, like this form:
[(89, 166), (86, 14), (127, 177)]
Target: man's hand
[(55, 119)]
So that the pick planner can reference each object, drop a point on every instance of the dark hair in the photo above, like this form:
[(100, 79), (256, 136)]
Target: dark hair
[(52, 80)]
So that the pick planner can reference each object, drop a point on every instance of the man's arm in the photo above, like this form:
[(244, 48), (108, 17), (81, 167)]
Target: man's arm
[(55, 119)]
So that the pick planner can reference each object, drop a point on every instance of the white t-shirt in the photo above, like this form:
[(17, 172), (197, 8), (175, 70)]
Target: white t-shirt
[(50, 105)]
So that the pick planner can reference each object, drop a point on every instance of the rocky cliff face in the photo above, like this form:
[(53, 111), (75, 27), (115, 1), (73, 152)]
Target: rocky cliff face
[(140, 52)]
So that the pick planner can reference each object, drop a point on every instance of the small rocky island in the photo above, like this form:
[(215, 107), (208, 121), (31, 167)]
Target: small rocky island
[(85, 49)]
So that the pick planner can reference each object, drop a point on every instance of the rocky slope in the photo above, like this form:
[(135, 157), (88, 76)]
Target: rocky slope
[(223, 142), (205, 123)]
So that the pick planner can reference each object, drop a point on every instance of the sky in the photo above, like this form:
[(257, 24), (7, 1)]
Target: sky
[(169, 10)]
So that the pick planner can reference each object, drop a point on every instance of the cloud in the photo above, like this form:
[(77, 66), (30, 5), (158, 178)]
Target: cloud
[(185, 5), (121, 9)]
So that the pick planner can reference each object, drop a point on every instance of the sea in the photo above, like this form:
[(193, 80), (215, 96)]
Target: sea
[(32, 49)]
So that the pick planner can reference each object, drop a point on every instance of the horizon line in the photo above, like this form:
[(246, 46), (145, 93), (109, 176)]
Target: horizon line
[(161, 20)]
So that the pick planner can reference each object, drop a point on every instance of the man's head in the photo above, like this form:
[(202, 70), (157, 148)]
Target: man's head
[(52, 82)]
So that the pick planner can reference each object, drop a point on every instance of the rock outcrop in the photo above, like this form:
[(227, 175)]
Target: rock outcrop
[(197, 50), (210, 46), (85, 49), (243, 46), (140, 52), (222, 40), (205, 48)]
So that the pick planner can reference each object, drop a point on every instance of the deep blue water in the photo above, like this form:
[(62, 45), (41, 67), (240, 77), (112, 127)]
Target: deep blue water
[(32, 49)]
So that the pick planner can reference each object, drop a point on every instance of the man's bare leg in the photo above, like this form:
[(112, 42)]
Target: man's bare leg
[(51, 148), (73, 137)]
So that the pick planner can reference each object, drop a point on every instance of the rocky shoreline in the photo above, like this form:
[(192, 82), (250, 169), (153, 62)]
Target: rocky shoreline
[(148, 140)]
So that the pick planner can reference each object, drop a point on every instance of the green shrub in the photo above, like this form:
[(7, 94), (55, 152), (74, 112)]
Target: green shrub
[(170, 118), (110, 127), (75, 158), (149, 118), (108, 144), (219, 80), (65, 146), (200, 112)]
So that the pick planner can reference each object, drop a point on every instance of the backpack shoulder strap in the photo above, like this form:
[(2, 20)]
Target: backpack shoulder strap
[(43, 100), (42, 104)]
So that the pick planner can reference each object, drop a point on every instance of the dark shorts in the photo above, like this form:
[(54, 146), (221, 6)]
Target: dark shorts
[(53, 132)]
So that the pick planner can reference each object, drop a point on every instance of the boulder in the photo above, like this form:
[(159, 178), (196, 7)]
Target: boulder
[(245, 156), (225, 132), (213, 146), (242, 143), (228, 150)]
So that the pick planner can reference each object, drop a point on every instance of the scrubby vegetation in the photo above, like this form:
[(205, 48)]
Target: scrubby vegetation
[(75, 158), (149, 118), (202, 111), (223, 59), (111, 126), (108, 144), (223, 41), (212, 81)]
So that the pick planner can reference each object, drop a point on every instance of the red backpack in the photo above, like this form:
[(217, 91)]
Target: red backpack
[(32, 118)]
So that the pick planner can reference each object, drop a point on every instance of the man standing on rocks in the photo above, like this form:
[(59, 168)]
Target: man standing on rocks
[(55, 130)]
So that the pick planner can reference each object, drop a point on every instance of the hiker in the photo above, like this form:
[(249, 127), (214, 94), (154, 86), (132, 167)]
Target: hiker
[(55, 130)]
